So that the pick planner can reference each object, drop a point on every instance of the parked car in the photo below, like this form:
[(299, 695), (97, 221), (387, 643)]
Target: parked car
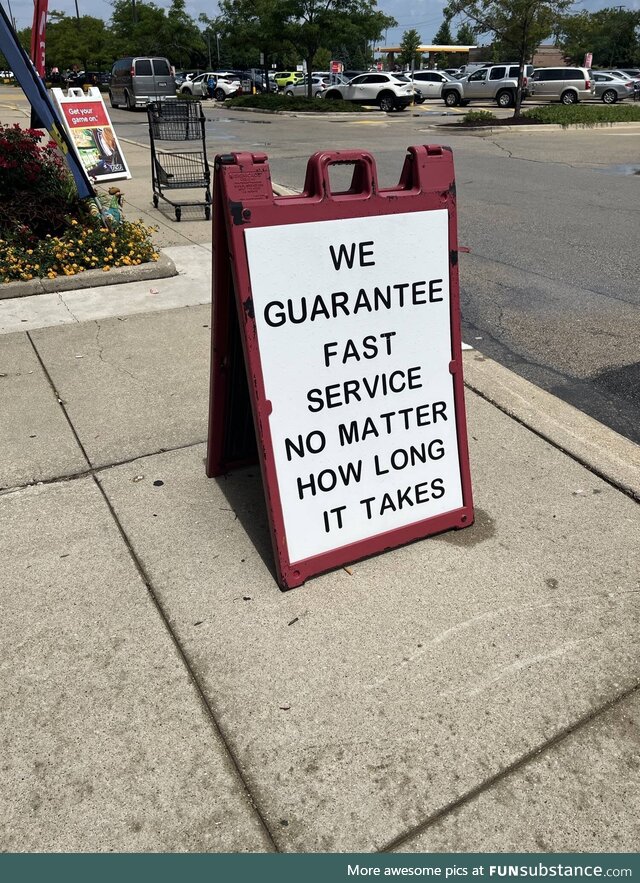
[(136, 81), (388, 91), (257, 80), (430, 83), (287, 78), (452, 71), (498, 82), (319, 86), (566, 84), (611, 89), (631, 74), (226, 85), (97, 78)]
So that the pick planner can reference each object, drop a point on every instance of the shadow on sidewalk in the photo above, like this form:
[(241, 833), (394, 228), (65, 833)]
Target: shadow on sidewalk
[(244, 492)]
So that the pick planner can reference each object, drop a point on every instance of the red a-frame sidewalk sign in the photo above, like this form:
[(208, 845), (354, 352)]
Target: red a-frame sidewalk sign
[(336, 354)]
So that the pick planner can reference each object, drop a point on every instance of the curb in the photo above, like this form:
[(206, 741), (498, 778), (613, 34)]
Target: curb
[(603, 451), (160, 269), (539, 127)]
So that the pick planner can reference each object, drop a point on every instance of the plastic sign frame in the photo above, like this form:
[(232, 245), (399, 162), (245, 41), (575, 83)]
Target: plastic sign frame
[(343, 307)]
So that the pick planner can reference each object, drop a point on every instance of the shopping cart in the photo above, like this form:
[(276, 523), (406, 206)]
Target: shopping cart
[(172, 170)]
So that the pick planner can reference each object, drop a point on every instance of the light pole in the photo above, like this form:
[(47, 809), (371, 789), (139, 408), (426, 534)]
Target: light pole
[(218, 47), (209, 46)]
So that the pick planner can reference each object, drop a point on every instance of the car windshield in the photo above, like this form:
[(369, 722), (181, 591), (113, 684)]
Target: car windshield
[(401, 78)]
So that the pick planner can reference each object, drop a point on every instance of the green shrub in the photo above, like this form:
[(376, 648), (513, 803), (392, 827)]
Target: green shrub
[(478, 117), (37, 191), (86, 245), (283, 102), (45, 229), (583, 114)]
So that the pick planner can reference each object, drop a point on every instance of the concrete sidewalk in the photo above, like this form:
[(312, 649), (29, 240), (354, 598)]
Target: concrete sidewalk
[(474, 691)]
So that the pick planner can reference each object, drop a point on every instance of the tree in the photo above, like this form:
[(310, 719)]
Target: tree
[(312, 24), (612, 35), (253, 28), (519, 26), (85, 41), (466, 35), (408, 54), (138, 29), (183, 39), (443, 38)]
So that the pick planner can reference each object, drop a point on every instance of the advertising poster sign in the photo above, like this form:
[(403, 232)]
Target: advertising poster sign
[(92, 134)]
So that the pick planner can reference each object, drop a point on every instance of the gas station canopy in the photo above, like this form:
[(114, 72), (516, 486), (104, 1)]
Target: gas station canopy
[(434, 48), (392, 51)]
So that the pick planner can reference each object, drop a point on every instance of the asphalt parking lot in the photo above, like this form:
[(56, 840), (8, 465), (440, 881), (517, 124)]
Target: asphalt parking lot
[(549, 288)]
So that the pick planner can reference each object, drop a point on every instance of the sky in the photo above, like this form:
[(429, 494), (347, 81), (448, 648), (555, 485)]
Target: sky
[(423, 15)]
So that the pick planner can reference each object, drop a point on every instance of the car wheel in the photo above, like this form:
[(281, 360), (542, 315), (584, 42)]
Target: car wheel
[(610, 96), (129, 101), (111, 101), (505, 98), (185, 90), (451, 99), (386, 102), (332, 95), (219, 94), (569, 97), (288, 93), (419, 100)]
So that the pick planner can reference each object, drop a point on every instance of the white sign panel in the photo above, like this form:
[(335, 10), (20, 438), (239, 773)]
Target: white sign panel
[(353, 327)]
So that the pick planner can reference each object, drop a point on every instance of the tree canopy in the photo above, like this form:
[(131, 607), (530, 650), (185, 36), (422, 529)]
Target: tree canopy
[(611, 35), (518, 26), (408, 45)]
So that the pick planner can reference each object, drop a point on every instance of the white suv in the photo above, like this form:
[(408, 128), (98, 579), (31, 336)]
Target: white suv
[(226, 86), (388, 91)]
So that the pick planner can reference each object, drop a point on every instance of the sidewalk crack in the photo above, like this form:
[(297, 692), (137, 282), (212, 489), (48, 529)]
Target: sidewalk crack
[(104, 361), (63, 302)]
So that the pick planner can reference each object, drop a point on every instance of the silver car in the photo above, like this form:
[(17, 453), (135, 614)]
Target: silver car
[(429, 83), (319, 86), (631, 74), (611, 89)]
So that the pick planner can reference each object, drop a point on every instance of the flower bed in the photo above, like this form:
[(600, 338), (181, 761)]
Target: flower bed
[(45, 229)]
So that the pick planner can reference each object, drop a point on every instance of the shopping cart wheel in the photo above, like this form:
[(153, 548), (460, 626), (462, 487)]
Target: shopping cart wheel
[(207, 212), (155, 200), (178, 213)]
